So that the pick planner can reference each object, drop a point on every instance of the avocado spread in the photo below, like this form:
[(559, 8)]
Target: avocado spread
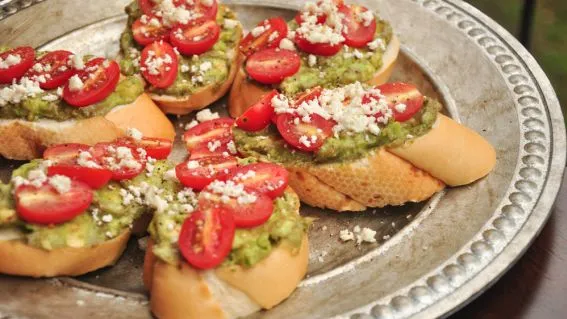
[(194, 72), (44, 106), (268, 144), (347, 66)]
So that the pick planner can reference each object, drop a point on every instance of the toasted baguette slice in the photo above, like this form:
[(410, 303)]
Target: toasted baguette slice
[(245, 93), (184, 292), (17, 258), (205, 96), (25, 140)]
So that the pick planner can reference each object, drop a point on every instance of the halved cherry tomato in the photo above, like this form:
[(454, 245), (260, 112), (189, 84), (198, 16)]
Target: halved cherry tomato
[(158, 148), (398, 93), (159, 64), (99, 78), (94, 177), (207, 12), (54, 69), (307, 137), (323, 49), (258, 116), (269, 179), (198, 173), (271, 66), (206, 237), (357, 34), (209, 131), (65, 162), (195, 38), (266, 39), (146, 6), (65, 153), (125, 162), (45, 205), (146, 33), (26, 57), (246, 215)]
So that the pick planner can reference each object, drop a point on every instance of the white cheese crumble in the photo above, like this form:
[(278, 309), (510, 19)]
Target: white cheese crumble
[(134, 133), (287, 44), (358, 234), (10, 60), (328, 32), (231, 147), (257, 31), (75, 83), (206, 115), (191, 124), (18, 91), (62, 184), (154, 63), (401, 107), (185, 68), (230, 23), (230, 190), (312, 60), (85, 159), (76, 61), (377, 43)]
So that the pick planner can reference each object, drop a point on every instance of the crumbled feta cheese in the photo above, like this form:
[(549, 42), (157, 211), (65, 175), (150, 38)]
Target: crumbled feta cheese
[(10, 60), (191, 124), (85, 159), (257, 31), (134, 133), (312, 60), (18, 91), (193, 164), (230, 23), (206, 115), (50, 98), (205, 66), (77, 62), (287, 44), (154, 63), (231, 147), (367, 17), (107, 218), (185, 68), (75, 83), (346, 235), (400, 108), (213, 145), (377, 43), (230, 190), (61, 183), (273, 36)]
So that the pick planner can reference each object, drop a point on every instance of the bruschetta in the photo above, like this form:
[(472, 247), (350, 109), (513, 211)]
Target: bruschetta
[(361, 146), (241, 246), (329, 43), (186, 51), (55, 97), (72, 212)]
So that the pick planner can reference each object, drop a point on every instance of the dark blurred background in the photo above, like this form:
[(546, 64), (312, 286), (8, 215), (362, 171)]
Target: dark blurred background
[(548, 29)]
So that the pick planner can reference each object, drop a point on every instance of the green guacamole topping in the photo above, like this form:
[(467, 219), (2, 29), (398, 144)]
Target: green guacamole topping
[(88, 229), (41, 106), (343, 68), (194, 72), (268, 144)]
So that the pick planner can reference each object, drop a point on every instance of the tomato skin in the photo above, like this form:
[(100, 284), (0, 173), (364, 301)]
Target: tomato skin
[(183, 37), (16, 71), (208, 12), (44, 205), (292, 133), (99, 82), (258, 116), (157, 148), (145, 34), (269, 179), (146, 6), (206, 237), (56, 77), (399, 92), (209, 169), (65, 153), (213, 130), (245, 215), (94, 177), (322, 49), (357, 35), (103, 150), (272, 66), (167, 72), (251, 44)]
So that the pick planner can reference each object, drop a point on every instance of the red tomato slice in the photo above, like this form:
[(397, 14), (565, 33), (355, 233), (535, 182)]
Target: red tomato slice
[(323, 49), (65, 153), (158, 148), (357, 34), (245, 215), (209, 131), (206, 237), (146, 6), (159, 64), (54, 69), (44, 205), (99, 78), (398, 93), (26, 56), (195, 38), (123, 167), (258, 116), (146, 33), (272, 66), (94, 177), (198, 173), (269, 179), (307, 137), (207, 12), (266, 39)]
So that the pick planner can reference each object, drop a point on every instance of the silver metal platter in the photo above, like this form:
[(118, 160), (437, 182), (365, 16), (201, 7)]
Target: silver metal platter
[(433, 257)]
